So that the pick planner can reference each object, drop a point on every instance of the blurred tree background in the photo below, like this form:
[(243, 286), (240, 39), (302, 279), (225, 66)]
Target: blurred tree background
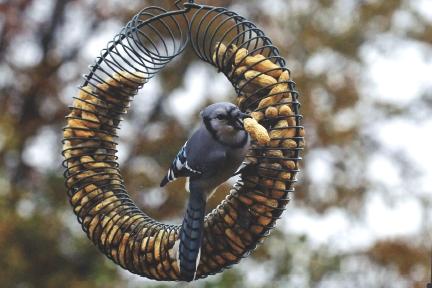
[(360, 216)]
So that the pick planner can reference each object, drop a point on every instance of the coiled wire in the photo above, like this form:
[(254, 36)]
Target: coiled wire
[(96, 188)]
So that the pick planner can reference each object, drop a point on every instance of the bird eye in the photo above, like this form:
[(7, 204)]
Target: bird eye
[(220, 116)]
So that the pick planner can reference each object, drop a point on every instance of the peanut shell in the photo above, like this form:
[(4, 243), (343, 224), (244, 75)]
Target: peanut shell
[(257, 115), (258, 132), (271, 112), (260, 79), (262, 64), (240, 55)]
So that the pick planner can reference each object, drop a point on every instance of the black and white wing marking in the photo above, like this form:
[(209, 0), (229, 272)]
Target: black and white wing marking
[(179, 168)]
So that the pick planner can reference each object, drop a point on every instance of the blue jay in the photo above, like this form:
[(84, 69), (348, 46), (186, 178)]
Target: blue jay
[(210, 157)]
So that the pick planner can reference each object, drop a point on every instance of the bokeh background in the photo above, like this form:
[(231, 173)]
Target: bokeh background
[(361, 213)]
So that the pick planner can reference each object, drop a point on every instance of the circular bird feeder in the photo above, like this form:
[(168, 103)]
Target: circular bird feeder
[(96, 190)]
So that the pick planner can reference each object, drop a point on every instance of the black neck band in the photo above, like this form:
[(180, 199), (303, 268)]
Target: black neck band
[(210, 128)]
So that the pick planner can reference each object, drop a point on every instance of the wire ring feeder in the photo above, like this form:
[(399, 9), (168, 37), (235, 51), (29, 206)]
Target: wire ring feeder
[(96, 190)]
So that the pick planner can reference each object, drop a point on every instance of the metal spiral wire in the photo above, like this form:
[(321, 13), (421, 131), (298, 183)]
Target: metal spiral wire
[(96, 188)]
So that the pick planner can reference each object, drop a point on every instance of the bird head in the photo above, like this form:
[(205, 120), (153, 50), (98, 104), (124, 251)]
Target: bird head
[(224, 116)]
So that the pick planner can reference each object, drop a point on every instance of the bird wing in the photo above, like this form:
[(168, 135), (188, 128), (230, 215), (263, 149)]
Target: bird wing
[(180, 168)]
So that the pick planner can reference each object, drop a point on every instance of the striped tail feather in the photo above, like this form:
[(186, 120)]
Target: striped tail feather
[(191, 236)]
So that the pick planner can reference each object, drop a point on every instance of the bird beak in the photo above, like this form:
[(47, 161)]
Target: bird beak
[(239, 121), (244, 115)]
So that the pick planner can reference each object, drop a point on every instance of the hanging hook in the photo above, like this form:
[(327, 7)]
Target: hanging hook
[(178, 1), (188, 5)]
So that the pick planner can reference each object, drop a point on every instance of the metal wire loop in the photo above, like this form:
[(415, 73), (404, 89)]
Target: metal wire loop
[(96, 190)]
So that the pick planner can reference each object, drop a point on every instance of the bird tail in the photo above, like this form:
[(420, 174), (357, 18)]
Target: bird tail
[(191, 234)]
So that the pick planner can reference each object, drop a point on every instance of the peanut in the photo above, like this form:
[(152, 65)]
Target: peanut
[(248, 87), (271, 112), (218, 53), (228, 220), (90, 188), (285, 110), (77, 196), (84, 133), (282, 130), (258, 116), (91, 119), (265, 220), (123, 78), (229, 256), (289, 143), (122, 249), (277, 194), (267, 182), (241, 100), (280, 185), (240, 55), (277, 93), (274, 143), (92, 226), (257, 229), (289, 164), (90, 163), (266, 201), (269, 169), (274, 153), (260, 79), (77, 123), (234, 237), (67, 133), (223, 58), (285, 176), (258, 132), (284, 77), (126, 77), (85, 93), (262, 64), (147, 244), (240, 70)]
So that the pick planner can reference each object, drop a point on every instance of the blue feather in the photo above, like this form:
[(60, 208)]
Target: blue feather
[(179, 168)]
